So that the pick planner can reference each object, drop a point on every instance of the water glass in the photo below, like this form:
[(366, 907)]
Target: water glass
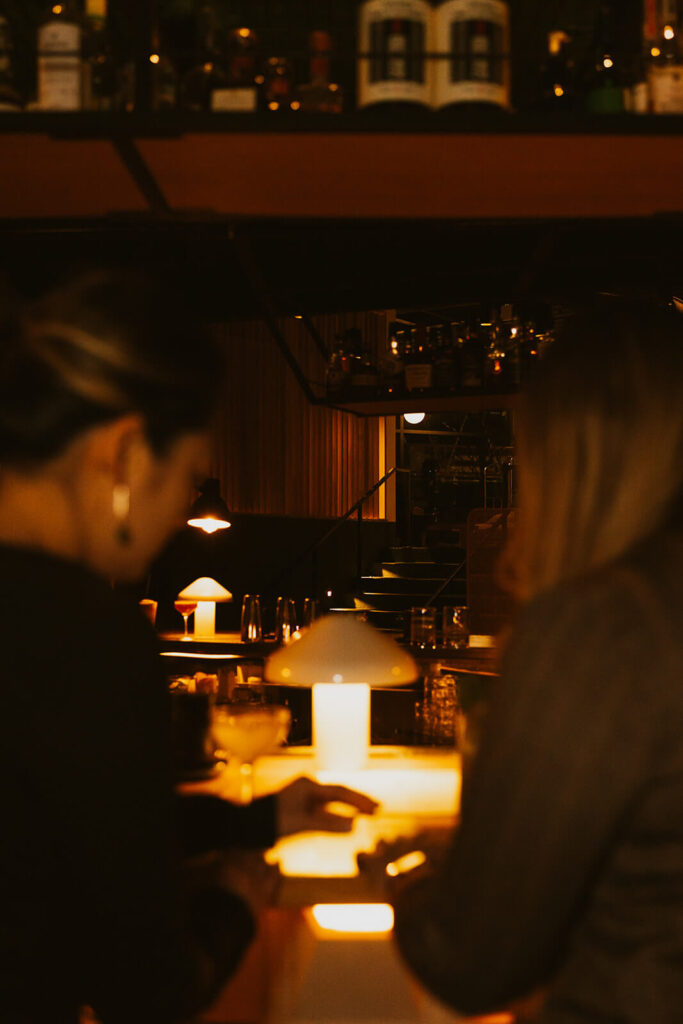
[(311, 611), (423, 628), (285, 619), (149, 609), (250, 628), (455, 632)]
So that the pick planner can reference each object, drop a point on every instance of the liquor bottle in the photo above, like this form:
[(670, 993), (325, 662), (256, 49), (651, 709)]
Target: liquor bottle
[(472, 38), (418, 369), (666, 69), (472, 357), (206, 76), (603, 89), (239, 94), (446, 375), (393, 39), (558, 87), (59, 60), (100, 85), (278, 85), (10, 99), (320, 95), (391, 367)]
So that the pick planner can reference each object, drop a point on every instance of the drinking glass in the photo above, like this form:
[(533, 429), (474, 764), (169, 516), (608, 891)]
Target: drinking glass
[(250, 628), (285, 619), (185, 608), (311, 611), (149, 609), (454, 627), (243, 732), (423, 627)]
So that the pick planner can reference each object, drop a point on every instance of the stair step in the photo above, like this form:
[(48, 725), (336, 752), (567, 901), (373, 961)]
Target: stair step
[(422, 570), (410, 554), (404, 602), (408, 584)]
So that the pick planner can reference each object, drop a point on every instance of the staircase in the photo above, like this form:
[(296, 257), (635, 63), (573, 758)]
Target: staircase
[(409, 578)]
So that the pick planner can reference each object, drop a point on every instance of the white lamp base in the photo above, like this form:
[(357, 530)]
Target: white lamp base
[(205, 618), (341, 725)]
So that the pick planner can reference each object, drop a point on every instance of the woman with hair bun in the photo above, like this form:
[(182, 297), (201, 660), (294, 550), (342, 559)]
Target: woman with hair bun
[(565, 875), (106, 391)]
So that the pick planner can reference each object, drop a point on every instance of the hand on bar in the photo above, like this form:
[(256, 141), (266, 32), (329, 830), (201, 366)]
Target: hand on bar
[(307, 806)]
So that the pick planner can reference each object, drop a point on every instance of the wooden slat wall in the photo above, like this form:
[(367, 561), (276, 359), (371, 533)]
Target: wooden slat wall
[(274, 452)]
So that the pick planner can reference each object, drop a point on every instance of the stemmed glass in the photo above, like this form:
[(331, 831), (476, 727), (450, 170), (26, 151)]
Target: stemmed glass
[(185, 608), (245, 731)]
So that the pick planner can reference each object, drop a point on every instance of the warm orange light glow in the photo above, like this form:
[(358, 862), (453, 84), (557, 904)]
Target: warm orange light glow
[(497, 366), (559, 91), (409, 861), (209, 525), (607, 62), (208, 68), (354, 918), (295, 105), (298, 316), (58, 9), (655, 52), (669, 32), (154, 58), (273, 105), (334, 87), (244, 32)]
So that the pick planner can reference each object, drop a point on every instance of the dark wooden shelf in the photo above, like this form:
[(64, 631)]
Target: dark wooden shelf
[(500, 167)]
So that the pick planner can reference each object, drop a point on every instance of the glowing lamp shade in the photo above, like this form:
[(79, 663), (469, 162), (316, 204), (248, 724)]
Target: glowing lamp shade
[(209, 512), (340, 658), (413, 417), (206, 592)]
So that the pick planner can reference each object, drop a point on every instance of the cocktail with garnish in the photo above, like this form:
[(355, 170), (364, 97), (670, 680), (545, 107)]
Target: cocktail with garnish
[(185, 608), (243, 732)]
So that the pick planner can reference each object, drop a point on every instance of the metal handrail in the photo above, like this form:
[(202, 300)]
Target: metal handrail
[(312, 549)]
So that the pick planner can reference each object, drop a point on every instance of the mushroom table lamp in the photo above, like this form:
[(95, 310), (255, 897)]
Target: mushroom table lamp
[(206, 592), (341, 657)]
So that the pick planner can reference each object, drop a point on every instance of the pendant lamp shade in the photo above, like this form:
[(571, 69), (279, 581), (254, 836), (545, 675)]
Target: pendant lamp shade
[(209, 512)]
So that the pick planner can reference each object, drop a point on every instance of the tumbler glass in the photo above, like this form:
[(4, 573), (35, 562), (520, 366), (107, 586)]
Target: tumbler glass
[(423, 628), (285, 619), (454, 627), (250, 628), (311, 611)]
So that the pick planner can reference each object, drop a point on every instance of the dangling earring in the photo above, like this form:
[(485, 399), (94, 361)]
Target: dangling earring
[(121, 509)]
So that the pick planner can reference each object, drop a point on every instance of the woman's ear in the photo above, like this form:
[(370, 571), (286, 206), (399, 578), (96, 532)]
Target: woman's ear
[(113, 448)]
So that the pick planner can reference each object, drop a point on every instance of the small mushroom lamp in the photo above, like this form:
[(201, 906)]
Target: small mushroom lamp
[(206, 592), (340, 658)]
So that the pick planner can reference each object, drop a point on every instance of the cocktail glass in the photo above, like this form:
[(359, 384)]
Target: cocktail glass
[(185, 608), (244, 732)]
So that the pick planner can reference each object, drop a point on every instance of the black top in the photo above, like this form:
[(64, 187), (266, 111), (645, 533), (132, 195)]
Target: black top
[(567, 870), (91, 832)]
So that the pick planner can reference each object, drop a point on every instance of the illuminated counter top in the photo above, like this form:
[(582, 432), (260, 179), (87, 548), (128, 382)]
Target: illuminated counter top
[(418, 789)]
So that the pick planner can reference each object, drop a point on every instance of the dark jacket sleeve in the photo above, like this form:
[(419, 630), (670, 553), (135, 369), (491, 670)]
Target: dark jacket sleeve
[(568, 744), (103, 781), (206, 823)]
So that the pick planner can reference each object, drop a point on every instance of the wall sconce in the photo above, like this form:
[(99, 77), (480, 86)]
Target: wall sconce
[(206, 592), (209, 512), (341, 657)]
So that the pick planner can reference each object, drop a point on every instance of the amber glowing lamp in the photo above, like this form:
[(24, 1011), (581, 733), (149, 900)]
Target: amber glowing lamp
[(206, 592), (340, 658)]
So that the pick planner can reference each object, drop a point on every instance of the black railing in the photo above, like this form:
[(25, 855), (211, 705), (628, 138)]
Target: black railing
[(356, 510)]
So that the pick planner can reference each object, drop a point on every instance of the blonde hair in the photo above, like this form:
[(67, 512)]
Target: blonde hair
[(600, 445)]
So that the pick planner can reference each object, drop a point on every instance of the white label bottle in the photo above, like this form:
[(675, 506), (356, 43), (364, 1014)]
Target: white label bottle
[(59, 61), (472, 40), (393, 41)]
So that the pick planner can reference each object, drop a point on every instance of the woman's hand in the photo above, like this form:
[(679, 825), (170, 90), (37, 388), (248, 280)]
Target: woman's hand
[(304, 806)]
